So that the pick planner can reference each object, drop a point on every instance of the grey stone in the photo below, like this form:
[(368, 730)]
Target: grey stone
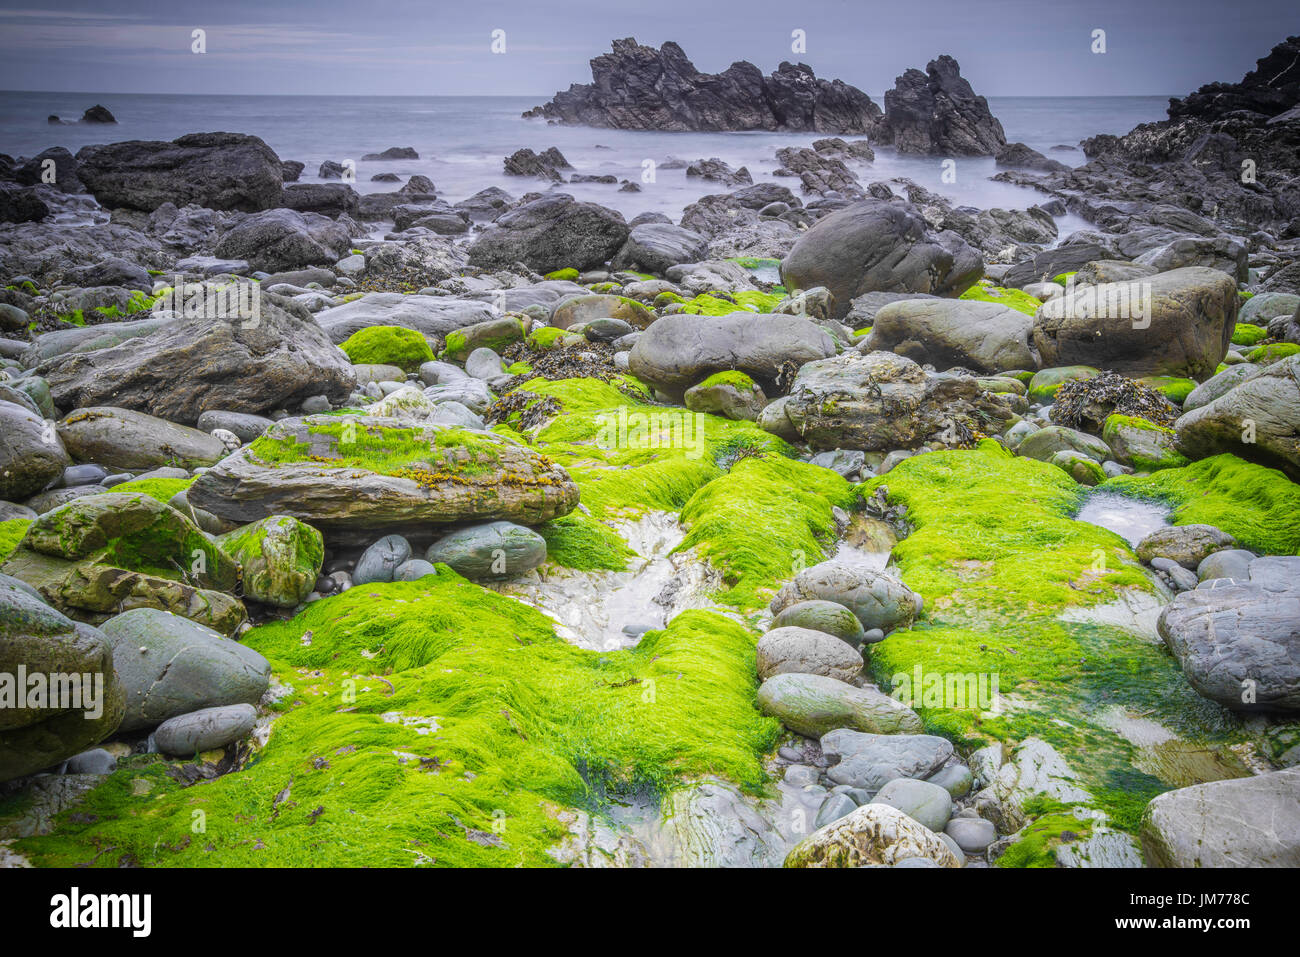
[(204, 730)]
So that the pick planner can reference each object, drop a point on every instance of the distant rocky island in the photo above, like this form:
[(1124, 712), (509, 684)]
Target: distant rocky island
[(637, 87)]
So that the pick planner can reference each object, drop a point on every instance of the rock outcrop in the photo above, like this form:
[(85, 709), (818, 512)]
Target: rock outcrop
[(938, 113)]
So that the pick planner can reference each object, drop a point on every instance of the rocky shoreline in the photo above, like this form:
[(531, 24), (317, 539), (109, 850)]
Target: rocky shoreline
[(831, 525)]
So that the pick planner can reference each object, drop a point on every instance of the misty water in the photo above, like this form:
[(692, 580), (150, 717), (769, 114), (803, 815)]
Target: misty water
[(462, 140)]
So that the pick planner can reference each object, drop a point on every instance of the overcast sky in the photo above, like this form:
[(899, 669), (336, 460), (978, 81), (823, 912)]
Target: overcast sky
[(430, 47)]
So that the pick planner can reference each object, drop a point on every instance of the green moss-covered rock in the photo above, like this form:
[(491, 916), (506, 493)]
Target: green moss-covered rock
[(387, 345), (1013, 298), (1173, 388), (1247, 334), (279, 559), (495, 334), (1274, 352), (11, 533), (1045, 382), (1142, 444)]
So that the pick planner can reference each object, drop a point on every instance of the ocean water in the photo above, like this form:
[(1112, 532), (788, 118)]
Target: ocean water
[(462, 140)]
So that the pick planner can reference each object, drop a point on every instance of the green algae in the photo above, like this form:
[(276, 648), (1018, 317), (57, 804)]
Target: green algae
[(387, 345), (719, 304), (1255, 505), (11, 533), (568, 273), (388, 450), (1012, 298), (1273, 352), (1039, 839), (162, 489), (732, 378), (583, 543), (1246, 334), (438, 723)]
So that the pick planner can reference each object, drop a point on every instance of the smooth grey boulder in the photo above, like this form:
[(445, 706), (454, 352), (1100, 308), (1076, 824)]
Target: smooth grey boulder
[(246, 427), (380, 561), (1188, 545), (678, 351), (655, 247), (1047, 442), (821, 615), (984, 337), (493, 551), (32, 455), (812, 705), (125, 439), (204, 730), (806, 652), (871, 761), (279, 239), (1240, 822), (171, 666), (879, 246), (972, 834), (413, 570), (551, 233), (1239, 642), (926, 803), (876, 600), (431, 316), (94, 761), (1225, 563)]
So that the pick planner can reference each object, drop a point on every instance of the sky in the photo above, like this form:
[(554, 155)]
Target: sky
[(409, 47)]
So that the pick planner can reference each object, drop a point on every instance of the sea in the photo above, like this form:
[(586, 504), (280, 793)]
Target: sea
[(461, 141)]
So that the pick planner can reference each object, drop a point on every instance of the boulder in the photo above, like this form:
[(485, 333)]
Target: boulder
[(937, 113), (170, 666), (654, 247), (926, 803), (1188, 545), (551, 233), (983, 337), (38, 640), (1176, 323), (205, 729), (494, 551), (279, 559), (317, 469), (870, 761), (123, 439), (876, 599), (879, 246), (874, 834), (284, 239), (214, 170), (32, 456), (813, 705), (431, 316), (821, 615), (802, 650)]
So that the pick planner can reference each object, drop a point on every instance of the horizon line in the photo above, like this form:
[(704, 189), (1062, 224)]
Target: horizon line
[(520, 96)]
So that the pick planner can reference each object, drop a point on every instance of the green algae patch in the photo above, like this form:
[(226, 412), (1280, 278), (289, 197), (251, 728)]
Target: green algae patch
[(1009, 580), (583, 543), (1063, 279), (387, 345), (11, 533), (1273, 352), (1012, 298), (736, 379), (1173, 388), (438, 723), (1254, 504), (1040, 838), (568, 273), (720, 304), (1246, 334), (545, 337), (162, 489)]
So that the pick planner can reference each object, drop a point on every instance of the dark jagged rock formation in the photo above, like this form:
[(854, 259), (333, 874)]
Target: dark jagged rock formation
[(1271, 88), (640, 88), (937, 112)]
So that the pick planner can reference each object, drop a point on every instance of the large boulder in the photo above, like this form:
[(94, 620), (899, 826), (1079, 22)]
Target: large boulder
[(937, 113), (171, 666), (1258, 419), (679, 351), (637, 87), (870, 761), (1176, 323), (654, 247), (981, 336), (802, 650), (214, 170), (122, 439), (879, 246), (1239, 642), (354, 477), (1240, 822), (35, 734), (32, 455), (551, 233), (876, 599), (187, 366), (493, 551), (432, 316), (813, 705), (874, 834), (280, 239), (279, 559), (879, 402)]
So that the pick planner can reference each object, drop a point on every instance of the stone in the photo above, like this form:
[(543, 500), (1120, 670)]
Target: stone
[(871, 834), (937, 113), (654, 247), (94, 761), (1035, 769), (205, 729), (1188, 545), (875, 599), (380, 561), (1241, 822), (280, 239), (833, 808), (246, 427), (812, 705), (972, 834), (870, 761), (1142, 444), (956, 779), (171, 666), (125, 439), (730, 395), (32, 456), (279, 559), (1046, 442), (551, 233), (793, 649), (1225, 563), (413, 570), (984, 337), (821, 615), (926, 803), (491, 552)]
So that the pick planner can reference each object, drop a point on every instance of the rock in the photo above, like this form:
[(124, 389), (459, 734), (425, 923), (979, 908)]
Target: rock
[(573, 310), (413, 570), (980, 336), (326, 199), (279, 558), (879, 402), (870, 761), (1217, 252), (170, 666), (1239, 644), (246, 427), (380, 561), (654, 247), (926, 803), (956, 779), (525, 162), (879, 246), (639, 88), (937, 113), (716, 170), (36, 639), (491, 552), (1035, 769), (972, 834), (21, 204), (875, 599), (820, 615), (833, 808), (451, 476), (872, 834), (1080, 467), (94, 761), (431, 316), (204, 730), (801, 650), (1018, 154), (1188, 545), (551, 233), (213, 170), (732, 395), (1176, 323), (678, 351), (251, 366), (1226, 563), (1257, 419), (32, 455), (1047, 442), (392, 153), (284, 239), (1242, 822), (122, 439), (813, 705), (1142, 444)]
